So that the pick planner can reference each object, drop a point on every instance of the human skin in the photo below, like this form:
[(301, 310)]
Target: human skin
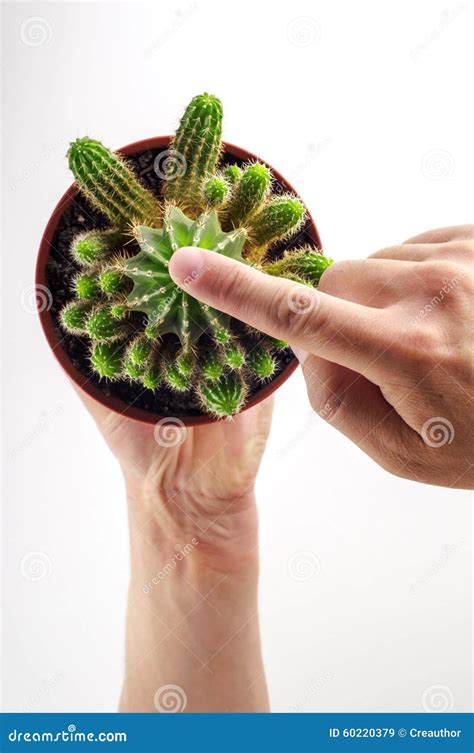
[(192, 620), (385, 344)]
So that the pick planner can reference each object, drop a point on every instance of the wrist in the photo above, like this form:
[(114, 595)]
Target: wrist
[(197, 535)]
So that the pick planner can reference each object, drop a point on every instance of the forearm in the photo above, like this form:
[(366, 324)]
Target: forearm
[(192, 623)]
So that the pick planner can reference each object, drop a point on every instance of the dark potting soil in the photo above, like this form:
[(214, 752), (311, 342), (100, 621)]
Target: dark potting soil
[(61, 270)]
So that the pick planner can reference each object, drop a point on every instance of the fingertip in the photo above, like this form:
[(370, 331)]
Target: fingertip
[(186, 265)]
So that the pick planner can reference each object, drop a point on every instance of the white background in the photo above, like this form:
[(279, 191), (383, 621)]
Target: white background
[(365, 107)]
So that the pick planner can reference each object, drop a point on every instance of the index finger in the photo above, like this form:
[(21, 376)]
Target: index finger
[(333, 328)]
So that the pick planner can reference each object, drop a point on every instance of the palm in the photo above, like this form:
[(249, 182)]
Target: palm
[(207, 471)]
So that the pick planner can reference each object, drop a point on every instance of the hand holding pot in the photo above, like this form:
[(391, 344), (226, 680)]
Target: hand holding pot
[(192, 626), (385, 344)]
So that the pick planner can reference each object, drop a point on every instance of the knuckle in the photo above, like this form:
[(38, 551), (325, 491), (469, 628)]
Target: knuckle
[(300, 310), (421, 339), (326, 401), (386, 253), (330, 276), (338, 277)]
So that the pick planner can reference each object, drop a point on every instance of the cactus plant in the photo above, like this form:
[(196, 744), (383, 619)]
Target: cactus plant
[(110, 184), (196, 147), (281, 216), (216, 190), (304, 264), (249, 194), (143, 327)]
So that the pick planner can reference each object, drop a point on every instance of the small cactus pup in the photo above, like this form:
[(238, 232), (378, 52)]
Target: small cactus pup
[(304, 264), (144, 333), (278, 219), (249, 194), (215, 191)]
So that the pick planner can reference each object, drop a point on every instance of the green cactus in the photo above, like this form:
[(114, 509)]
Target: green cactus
[(110, 185), (234, 356), (261, 362), (102, 326), (74, 317), (175, 379), (151, 378), (86, 287), (303, 265), (196, 149), (232, 174), (215, 191), (112, 281), (211, 365), (139, 351), (142, 326), (168, 307), (249, 194), (96, 245), (279, 218), (106, 359), (224, 397)]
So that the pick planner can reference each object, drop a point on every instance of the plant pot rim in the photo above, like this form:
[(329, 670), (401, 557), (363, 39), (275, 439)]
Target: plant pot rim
[(115, 404)]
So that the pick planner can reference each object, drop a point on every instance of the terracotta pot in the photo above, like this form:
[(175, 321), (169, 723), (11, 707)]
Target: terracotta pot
[(113, 403)]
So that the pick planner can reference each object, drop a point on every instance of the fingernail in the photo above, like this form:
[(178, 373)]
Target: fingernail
[(301, 355), (186, 265)]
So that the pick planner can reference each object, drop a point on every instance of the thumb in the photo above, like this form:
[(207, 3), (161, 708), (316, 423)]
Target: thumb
[(357, 408), (312, 320)]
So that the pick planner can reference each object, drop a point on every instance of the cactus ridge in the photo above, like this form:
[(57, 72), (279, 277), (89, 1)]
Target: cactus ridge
[(142, 326)]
